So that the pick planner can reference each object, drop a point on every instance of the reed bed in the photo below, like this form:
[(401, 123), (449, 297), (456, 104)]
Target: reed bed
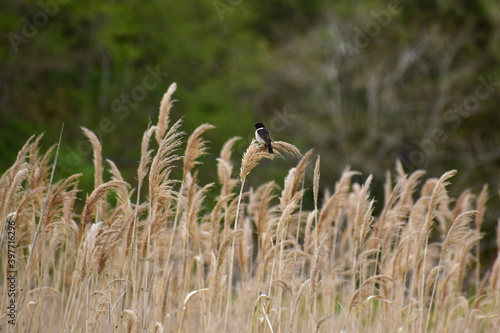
[(164, 258)]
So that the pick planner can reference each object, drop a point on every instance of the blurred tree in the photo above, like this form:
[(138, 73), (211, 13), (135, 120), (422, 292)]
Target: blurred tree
[(105, 66), (388, 81), (373, 82)]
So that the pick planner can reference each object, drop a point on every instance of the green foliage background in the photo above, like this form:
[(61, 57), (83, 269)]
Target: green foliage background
[(364, 83)]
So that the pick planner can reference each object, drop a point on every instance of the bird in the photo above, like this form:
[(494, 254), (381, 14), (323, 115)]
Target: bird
[(262, 136)]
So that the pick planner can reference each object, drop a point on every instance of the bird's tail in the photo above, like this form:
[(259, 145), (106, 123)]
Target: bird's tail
[(270, 148)]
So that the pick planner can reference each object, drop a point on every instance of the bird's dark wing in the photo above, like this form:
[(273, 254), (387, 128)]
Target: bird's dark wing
[(264, 134)]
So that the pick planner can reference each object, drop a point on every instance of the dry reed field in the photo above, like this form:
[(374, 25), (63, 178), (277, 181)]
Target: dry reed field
[(164, 258)]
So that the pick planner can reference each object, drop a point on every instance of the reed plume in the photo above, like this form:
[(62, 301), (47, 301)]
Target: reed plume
[(164, 112), (411, 264), (225, 167), (195, 148), (97, 148), (252, 156), (93, 200)]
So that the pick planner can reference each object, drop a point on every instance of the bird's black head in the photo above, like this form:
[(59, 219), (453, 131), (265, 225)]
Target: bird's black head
[(259, 125)]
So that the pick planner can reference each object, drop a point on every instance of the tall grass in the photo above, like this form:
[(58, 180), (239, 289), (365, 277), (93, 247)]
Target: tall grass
[(167, 259)]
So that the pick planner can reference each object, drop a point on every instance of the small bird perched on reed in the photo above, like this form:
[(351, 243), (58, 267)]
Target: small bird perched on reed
[(262, 136)]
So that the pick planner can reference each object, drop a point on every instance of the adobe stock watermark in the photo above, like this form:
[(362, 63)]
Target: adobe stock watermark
[(11, 272), (363, 37), (31, 26), (222, 6), (452, 119), (121, 108)]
